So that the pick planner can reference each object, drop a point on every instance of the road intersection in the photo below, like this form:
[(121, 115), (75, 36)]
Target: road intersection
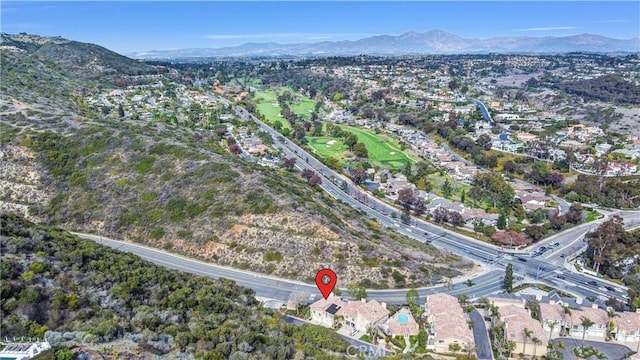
[(551, 270)]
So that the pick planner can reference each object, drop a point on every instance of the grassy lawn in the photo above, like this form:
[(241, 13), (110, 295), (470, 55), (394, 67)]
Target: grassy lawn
[(382, 151), (304, 108), (503, 157), (245, 81), (326, 146), (592, 215), (267, 105)]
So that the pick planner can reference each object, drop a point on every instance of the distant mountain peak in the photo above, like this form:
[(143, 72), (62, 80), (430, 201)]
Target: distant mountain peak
[(413, 42)]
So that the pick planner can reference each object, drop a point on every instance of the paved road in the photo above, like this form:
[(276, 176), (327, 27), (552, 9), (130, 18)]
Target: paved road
[(481, 336), (612, 351), (276, 288), (493, 258), (484, 110)]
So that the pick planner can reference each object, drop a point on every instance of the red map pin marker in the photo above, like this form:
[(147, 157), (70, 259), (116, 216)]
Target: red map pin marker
[(326, 280)]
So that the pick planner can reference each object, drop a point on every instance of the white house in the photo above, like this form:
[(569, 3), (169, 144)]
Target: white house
[(360, 315), (23, 351)]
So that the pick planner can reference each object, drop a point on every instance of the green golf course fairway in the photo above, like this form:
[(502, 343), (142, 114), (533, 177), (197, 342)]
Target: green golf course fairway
[(304, 108), (267, 105), (382, 151), (324, 148)]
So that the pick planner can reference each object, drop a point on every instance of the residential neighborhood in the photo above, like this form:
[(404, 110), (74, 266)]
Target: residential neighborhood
[(529, 323)]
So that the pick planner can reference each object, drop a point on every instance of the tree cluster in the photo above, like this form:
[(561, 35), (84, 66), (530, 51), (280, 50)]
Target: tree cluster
[(312, 177), (540, 174), (492, 188), (613, 192), (608, 88), (52, 280), (441, 215), (410, 201), (609, 244)]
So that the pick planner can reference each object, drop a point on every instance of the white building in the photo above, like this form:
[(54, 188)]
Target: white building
[(359, 315), (23, 351)]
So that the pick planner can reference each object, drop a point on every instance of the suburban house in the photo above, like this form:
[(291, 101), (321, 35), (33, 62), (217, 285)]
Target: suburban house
[(270, 161), (567, 321), (23, 351), (532, 201), (395, 184), (448, 324), (526, 137), (253, 145), (503, 117), (526, 332), (627, 328), (620, 169), (400, 324), (561, 316), (437, 203), (360, 315), (473, 215)]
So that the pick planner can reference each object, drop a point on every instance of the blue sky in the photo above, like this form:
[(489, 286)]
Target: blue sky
[(126, 26)]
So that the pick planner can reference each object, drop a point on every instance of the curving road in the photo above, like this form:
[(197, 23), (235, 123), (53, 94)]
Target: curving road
[(540, 269), (548, 270)]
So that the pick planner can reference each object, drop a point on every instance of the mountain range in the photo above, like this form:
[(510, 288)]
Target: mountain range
[(432, 42)]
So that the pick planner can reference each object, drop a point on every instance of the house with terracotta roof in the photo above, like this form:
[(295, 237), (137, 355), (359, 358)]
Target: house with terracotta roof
[(360, 315), (400, 324), (555, 318), (448, 324), (626, 328), (558, 319), (567, 321), (526, 332)]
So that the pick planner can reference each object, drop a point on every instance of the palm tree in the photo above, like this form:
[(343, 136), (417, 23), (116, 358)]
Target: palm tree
[(586, 324), (511, 345), (551, 324), (536, 342), (611, 313), (495, 314), (567, 312), (527, 335), (454, 347)]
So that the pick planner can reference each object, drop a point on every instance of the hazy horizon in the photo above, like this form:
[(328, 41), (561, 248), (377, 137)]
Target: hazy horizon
[(129, 27)]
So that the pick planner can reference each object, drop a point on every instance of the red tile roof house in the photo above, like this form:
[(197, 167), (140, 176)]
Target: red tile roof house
[(626, 329), (448, 324), (568, 322), (359, 315), (518, 323), (400, 324)]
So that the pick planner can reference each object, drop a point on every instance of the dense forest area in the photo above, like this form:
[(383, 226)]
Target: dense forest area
[(609, 88), (613, 192), (614, 252), (52, 280)]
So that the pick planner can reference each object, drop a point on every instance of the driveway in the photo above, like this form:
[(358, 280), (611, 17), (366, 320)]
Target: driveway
[(481, 336), (612, 351)]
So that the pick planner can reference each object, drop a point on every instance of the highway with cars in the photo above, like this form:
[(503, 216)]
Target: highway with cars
[(547, 267), (551, 272)]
